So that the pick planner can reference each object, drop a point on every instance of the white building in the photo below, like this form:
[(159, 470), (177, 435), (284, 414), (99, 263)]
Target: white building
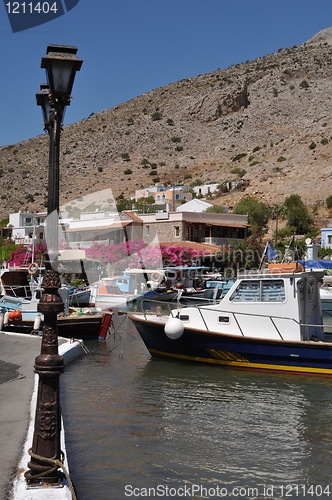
[(205, 189), (195, 205), (27, 227)]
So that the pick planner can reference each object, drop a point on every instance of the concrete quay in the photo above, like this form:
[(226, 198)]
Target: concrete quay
[(18, 395)]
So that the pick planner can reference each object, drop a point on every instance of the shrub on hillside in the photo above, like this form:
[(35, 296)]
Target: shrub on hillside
[(329, 201)]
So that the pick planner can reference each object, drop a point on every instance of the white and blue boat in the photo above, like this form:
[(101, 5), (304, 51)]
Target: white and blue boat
[(269, 321)]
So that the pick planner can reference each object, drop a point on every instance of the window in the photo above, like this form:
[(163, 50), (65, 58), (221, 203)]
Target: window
[(148, 230), (177, 196), (177, 231), (259, 291), (329, 239)]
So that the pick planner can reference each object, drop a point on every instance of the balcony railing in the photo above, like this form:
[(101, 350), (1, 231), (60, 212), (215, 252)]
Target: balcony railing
[(228, 242)]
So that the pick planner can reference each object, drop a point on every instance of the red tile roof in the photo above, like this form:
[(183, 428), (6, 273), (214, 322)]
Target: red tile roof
[(199, 247)]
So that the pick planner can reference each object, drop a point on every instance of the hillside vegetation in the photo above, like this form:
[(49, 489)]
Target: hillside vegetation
[(266, 123)]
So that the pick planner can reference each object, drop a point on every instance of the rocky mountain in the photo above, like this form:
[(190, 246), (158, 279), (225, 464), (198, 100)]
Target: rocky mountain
[(266, 124)]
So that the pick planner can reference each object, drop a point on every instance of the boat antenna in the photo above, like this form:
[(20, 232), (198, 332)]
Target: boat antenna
[(292, 240)]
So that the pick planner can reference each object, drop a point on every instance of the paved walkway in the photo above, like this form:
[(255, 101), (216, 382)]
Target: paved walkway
[(17, 358), (17, 402)]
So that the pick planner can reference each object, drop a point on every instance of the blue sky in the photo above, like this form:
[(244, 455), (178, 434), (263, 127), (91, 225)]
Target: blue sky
[(132, 46)]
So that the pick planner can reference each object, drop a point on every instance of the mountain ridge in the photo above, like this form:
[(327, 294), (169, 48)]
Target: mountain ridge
[(265, 124)]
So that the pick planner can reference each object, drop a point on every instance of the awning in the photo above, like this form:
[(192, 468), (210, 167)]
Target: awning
[(219, 224), (72, 255), (116, 225)]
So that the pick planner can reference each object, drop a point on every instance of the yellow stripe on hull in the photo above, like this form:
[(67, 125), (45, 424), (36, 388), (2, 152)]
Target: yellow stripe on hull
[(247, 364)]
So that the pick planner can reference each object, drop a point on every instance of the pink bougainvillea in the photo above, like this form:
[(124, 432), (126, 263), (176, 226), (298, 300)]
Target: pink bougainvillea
[(134, 254), (22, 256)]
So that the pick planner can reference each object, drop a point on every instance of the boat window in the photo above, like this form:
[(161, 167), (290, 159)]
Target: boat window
[(184, 317), (259, 291), (223, 319)]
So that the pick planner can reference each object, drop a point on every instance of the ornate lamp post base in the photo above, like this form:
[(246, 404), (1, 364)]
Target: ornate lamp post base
[(45, 452)]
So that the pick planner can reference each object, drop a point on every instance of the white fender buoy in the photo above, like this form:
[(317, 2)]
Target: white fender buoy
[(174, 328), (1, 320), (6, 318), (37, 322)]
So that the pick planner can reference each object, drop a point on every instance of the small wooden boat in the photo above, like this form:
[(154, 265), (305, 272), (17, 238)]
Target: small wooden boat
[(21, 315)]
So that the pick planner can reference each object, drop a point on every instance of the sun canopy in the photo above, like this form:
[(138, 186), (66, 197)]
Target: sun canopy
[(316, 264)]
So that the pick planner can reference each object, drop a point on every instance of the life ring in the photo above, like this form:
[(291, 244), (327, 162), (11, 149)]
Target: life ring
[(178, 276), (156, 276), (33, 268)]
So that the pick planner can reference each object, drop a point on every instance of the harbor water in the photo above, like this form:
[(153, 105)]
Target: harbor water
[(138, 427)]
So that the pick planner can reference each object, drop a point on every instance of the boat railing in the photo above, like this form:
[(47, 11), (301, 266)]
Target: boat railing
[(18, 291), (158, 308), (237, 315)]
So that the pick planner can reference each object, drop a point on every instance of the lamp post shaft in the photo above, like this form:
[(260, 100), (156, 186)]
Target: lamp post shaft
[(49, 365)]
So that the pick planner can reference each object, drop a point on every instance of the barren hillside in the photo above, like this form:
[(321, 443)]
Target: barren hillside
[(266, 121)]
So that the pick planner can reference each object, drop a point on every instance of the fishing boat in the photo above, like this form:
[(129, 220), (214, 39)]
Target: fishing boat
[(267, 321), (19, 308), (21, 315), (185, 284), (116, 291), (106, 293), (78, 296)]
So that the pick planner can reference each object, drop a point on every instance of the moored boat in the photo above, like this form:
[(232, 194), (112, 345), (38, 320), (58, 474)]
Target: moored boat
[(117, 291), (21, 316), (268, 321)]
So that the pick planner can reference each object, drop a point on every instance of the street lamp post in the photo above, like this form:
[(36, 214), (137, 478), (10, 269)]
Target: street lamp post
[(61, 64)]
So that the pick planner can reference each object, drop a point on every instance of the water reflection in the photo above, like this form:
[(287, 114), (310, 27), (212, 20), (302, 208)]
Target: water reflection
[(133, 420)]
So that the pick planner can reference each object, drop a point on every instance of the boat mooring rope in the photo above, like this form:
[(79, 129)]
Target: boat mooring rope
[(113, 330), (57, 464), (80, 341)]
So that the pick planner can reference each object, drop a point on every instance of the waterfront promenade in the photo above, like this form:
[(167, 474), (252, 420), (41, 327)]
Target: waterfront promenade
[(17, 402)]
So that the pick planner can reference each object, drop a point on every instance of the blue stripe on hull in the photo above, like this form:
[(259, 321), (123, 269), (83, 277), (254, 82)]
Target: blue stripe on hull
[(240, 352)]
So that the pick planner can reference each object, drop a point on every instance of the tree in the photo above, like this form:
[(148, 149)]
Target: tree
[(258, 212), (146, 205), (215, 209), (297, 214), (122, 204)]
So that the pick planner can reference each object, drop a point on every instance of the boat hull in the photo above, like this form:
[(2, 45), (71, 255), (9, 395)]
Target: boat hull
[(81, 327), (311, 358)]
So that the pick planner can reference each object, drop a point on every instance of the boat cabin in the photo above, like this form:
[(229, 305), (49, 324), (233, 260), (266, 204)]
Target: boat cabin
[(285, 306)]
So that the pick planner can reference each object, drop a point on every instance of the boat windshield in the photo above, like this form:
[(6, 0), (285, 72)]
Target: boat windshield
[(259, 291)]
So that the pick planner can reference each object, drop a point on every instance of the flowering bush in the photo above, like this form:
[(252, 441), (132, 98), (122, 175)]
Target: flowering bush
[(178, 256), (23, 255), (136, 254)]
